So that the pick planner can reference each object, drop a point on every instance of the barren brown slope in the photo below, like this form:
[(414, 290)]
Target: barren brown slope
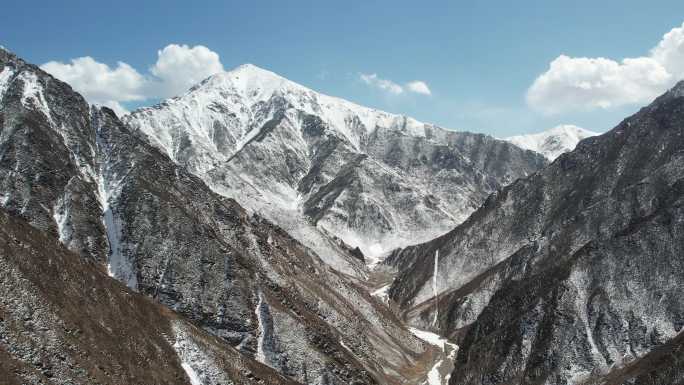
[(62, 321)]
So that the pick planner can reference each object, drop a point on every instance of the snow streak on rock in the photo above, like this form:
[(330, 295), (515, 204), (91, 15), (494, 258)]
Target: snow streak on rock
[(382, 293), (5, 77), (61, 217), (260, 355), (435, 292), (109, 189), (200, 368), (33, 96)]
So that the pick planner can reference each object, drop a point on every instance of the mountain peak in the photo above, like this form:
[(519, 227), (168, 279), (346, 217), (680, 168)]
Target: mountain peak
[(251, 80), (251, 70), (248, 88), (570, 129), (552, 142)]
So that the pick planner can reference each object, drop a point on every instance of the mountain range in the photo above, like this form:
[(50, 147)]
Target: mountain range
[(254, 231)]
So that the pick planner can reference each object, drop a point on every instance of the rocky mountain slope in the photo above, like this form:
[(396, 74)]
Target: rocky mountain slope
[(48, 158), (79, 174), (572, 275), (63, 321), (325, 169), (554, 142)]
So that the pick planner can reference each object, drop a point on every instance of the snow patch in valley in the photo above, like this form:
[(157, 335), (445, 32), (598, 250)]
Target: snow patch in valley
[(382, 293), (440, 373)]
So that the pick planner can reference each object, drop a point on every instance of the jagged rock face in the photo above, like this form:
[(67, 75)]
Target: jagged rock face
[(571, 275), (63, 321), (47, 157), (318, 165), (554, 142), (232, 273)]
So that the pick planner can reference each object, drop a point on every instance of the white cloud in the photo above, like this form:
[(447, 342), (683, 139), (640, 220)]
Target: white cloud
[(178, 67), (383, 84), (419, 87), (98, 82), (670, 52), (588, 83)]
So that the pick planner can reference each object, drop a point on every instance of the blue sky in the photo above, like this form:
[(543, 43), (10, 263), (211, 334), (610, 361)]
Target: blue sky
[(479, 59)]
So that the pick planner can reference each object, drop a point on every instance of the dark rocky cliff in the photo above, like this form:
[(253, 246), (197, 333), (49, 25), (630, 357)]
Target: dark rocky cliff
[(571, 275)]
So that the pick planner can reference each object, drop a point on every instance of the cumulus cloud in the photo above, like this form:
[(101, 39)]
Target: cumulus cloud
[(670, 52), (178, 67), (98, 82), (419, 87), (416, 86), (581, 83)]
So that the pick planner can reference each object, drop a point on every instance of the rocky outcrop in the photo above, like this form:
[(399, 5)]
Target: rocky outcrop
[(572, 275)]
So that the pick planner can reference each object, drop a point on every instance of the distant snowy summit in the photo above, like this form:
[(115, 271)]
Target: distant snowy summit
[(332, 173), (552, 143)]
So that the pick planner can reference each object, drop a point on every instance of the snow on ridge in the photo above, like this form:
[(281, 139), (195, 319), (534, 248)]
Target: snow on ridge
[(238, 91), (553, 142)]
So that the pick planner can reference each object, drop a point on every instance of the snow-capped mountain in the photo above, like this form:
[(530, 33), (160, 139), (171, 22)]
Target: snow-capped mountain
[(553, 142), (83, 179), (570, 274), (335, 175)]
